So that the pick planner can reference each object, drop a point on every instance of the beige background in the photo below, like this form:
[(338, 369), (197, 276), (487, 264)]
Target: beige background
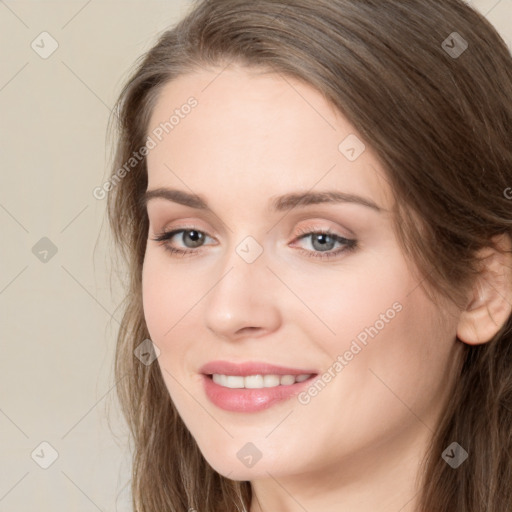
[(59, 317)]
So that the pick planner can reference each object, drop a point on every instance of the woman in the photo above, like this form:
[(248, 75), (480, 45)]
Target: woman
[(311, 198)]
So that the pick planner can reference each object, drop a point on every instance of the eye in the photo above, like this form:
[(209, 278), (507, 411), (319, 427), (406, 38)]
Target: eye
[(323, 241), (192, 239)]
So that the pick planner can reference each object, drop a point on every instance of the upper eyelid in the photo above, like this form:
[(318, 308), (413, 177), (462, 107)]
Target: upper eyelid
[(308, 230), (303, 233), (317, 224)]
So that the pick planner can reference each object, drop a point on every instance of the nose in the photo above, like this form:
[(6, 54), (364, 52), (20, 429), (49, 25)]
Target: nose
[(243, 301)]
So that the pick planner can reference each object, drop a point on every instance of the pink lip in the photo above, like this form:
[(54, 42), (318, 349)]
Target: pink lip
[(250, 368), (250, 400)]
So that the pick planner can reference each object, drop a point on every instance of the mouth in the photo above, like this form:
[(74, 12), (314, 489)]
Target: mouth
[(252, 387), (257, 381)]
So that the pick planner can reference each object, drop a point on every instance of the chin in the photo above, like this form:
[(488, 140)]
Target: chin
[(230, 466)]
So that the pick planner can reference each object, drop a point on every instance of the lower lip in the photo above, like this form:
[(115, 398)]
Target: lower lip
[(250, 400)]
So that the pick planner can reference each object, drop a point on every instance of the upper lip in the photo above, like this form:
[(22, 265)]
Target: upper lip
[(250, 368)]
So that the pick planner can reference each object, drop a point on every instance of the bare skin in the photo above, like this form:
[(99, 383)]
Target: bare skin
[(357, 444)]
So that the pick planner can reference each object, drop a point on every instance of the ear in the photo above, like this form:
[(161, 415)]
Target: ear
[(490, 300)]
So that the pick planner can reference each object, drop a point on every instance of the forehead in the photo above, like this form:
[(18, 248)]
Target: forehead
[(248, 129)]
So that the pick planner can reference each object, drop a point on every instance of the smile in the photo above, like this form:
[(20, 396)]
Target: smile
[(252, 386), (257, 381)]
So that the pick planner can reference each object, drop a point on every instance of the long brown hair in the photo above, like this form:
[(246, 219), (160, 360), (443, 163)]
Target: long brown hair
[(437, 109)]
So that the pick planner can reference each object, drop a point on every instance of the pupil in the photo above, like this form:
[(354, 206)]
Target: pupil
[(324, 243), (195, 236)]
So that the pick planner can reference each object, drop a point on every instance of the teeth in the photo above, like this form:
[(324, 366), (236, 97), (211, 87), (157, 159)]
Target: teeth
[(257, 381), (253, 381), (287, 380), (271, 381)]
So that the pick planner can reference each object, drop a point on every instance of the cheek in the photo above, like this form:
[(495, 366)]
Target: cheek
[(153, 300), (359, 302), (382, 325), (163, 298), (396, 359), (164, 291), (171, 297)]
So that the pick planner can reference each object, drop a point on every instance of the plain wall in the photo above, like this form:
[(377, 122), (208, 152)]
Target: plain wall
[(58, 313)]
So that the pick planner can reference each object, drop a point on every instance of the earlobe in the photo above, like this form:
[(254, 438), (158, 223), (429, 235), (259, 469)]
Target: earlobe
[(490, 301)]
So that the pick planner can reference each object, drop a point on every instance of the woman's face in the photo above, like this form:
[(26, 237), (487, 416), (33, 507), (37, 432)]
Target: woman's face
[(262, 285)]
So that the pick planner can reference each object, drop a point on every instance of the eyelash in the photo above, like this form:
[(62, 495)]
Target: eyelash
[(349, 244)]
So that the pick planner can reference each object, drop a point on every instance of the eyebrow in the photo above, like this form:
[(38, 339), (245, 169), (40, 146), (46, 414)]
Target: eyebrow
[(279, 204)]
